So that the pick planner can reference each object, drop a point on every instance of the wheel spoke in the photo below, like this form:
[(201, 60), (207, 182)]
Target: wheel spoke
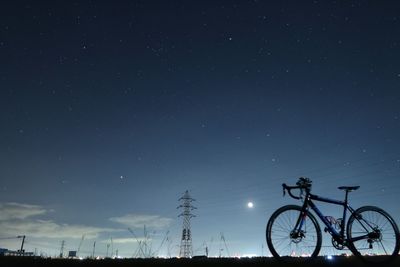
[(285, 240), (381, 234)]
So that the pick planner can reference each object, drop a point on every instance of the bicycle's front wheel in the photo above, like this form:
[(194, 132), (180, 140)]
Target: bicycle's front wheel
[(291, 234), (373, 235)]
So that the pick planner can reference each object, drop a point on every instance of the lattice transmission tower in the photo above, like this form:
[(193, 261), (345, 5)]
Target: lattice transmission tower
[(186, 250)]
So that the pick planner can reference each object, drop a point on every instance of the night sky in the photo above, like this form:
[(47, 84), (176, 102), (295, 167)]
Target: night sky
[(110, 110)]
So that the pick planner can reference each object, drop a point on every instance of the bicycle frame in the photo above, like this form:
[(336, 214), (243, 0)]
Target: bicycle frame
[(308, 202), (366, 231)]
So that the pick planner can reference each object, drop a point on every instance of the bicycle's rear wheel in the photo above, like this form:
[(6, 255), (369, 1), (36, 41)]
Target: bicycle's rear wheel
[(284, 242), (381, 242)]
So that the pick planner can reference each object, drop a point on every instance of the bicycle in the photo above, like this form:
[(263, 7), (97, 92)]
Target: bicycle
[(293, 231)]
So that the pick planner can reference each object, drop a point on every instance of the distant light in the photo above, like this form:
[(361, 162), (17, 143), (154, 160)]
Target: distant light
[(248, 256), (329, 257), (250, 205)]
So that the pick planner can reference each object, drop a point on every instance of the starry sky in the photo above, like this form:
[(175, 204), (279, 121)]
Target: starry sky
[(110, 110)]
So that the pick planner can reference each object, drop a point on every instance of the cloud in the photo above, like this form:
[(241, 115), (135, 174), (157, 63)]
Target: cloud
[(138, 220), (19, 219), (125, 240), (49, 229), (12, 210)]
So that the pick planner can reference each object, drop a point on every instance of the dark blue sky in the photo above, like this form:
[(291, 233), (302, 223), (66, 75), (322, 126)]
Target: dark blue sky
[(111, 110)]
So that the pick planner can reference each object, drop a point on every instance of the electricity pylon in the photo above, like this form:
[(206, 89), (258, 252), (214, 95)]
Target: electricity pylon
[(186, 250), (62, 249)]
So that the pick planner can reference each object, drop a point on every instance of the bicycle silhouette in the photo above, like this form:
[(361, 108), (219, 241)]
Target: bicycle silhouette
[(293, 231)]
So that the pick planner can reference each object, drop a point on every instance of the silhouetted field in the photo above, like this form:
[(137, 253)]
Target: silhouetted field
[(270, 262)]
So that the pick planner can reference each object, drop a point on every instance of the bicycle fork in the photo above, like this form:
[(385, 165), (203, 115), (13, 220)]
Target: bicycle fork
[(297, 233)]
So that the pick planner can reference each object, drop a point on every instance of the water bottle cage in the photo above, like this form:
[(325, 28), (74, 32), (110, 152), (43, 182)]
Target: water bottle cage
[(337, 223)]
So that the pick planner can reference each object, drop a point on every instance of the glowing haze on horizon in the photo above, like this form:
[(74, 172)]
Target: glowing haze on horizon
[(110, 111)]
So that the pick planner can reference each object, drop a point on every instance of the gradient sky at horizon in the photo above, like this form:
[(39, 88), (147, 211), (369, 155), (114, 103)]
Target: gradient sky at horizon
[(110, 110)]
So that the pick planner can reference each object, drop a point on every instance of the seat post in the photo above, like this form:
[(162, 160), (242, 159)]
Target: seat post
[(346, 196), (344, 212)]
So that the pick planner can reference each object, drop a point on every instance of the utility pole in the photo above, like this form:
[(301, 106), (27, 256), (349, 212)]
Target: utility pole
[(262, 249), (94, 249), (140, 253), (62, 249), (169, 247), (186, 249), (226, 247), (162, 243), (146, 253), (22, 244), (108, 246), (80, 245), (112, 248)]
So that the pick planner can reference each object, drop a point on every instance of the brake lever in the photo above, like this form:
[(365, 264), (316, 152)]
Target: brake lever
[(284, 189)]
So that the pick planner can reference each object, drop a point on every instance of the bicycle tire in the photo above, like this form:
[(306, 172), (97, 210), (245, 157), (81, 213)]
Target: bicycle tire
[(275, 231), (384, 245)]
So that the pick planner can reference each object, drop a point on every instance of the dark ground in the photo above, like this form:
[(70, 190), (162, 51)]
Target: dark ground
[(320, 262)]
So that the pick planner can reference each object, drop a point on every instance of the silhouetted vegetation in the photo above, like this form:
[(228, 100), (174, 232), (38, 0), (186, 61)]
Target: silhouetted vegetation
[(270, 262)]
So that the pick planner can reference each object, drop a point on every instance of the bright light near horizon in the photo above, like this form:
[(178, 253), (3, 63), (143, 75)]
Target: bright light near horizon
[(248, 256), (250, 205)]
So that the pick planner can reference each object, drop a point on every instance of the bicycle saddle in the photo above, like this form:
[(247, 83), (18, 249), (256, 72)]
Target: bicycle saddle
[(349, 188)]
